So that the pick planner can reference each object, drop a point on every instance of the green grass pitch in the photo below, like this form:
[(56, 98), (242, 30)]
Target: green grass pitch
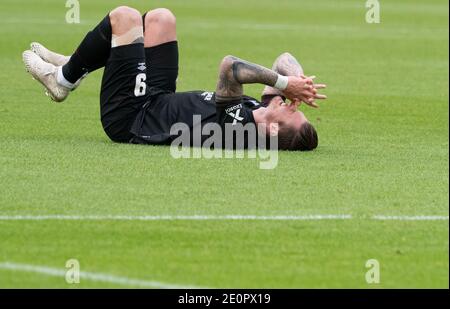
[(383, 151)]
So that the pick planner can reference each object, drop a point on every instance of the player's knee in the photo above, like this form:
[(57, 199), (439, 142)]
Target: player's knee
[(160, 16), (124, 18)]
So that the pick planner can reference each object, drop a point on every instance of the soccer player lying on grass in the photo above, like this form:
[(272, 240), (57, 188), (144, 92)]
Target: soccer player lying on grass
[(138, 99)]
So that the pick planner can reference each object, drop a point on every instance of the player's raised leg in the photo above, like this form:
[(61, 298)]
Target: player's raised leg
[(161, 49), (159, 27), (124, 89), (47, 67)]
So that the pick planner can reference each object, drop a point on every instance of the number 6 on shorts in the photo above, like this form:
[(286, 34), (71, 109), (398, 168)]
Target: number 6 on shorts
[(139, 90)]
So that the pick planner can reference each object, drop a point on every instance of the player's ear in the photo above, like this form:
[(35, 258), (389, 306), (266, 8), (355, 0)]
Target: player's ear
[(273, 129)]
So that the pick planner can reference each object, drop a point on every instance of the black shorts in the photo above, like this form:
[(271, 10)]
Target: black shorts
[(131, 75)]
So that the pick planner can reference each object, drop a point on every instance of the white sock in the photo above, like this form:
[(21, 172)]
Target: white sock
[(62, 80)]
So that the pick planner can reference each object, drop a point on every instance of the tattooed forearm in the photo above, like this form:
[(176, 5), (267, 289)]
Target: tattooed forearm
[(235, 72), (286, 65)]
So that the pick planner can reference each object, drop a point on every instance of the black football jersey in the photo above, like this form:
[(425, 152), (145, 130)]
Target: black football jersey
[(193, 109)]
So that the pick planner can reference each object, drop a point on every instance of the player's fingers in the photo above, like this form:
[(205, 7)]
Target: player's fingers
[(320, 86), (312, 103), (304, 76), (307, 79), (308, 94), (320, 96), (308, 100)]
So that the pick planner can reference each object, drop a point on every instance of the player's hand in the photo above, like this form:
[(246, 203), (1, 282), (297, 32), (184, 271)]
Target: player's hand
[(303, 89), (317, 96)]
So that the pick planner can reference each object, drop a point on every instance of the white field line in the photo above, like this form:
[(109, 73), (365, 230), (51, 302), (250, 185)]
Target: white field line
[(214, 218), (411, 218), (173, 218), (91, 276)]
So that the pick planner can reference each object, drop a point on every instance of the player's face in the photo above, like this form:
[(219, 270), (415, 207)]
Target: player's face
[(285, 114)]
